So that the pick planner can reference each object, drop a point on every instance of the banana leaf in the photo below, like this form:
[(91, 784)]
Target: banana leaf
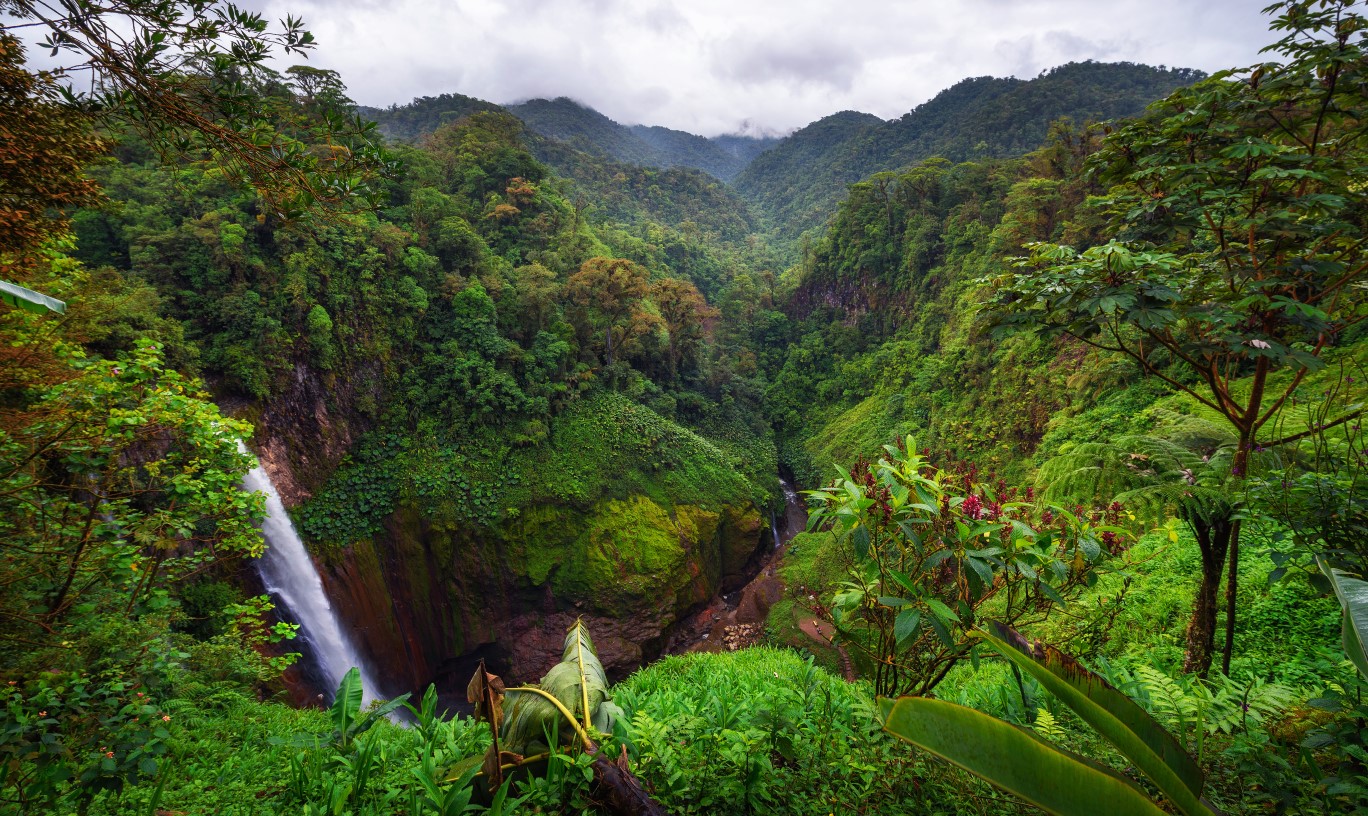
[(347, 703), (578, 682), (348, 722), (1353, 597), (1127, 726), (1014, 759)]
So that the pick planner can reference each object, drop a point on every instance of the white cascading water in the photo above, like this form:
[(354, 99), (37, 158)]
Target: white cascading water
[(290, 577)]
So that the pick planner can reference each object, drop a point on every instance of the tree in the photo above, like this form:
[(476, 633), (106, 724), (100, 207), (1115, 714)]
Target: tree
[(1236, 216), (1185, 470), (933, 550), (116, 484), (609, 293), (43, 150), (685, 312), (188, 75)]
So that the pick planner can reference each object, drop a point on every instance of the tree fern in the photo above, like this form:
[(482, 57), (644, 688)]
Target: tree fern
[(1182, 472)]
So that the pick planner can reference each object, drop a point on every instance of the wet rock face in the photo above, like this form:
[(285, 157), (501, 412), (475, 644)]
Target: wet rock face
[(535, 641), (420, 599), (306, 429)]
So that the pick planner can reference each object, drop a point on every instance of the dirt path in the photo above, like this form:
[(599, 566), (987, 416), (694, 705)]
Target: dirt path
[(821, 632)]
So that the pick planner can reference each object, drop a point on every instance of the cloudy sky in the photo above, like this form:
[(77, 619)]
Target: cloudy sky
[(719, 66)]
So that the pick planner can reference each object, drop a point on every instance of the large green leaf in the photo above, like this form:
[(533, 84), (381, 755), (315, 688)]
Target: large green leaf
[(374, 716), (1014, 759), (1137, 735), (1353, 597), (347, 704), (29, 300), (578, 682)]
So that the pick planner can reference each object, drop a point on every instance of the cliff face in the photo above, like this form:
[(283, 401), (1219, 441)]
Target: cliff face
[(426, 601), (624, 518)]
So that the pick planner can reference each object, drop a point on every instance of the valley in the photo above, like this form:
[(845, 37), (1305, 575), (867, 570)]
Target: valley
[(1036, 409)]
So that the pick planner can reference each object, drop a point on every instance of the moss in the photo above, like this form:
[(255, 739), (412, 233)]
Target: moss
[(630, 548), (742, 529)]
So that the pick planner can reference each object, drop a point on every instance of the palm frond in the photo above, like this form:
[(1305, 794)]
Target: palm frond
[(1182, 472)]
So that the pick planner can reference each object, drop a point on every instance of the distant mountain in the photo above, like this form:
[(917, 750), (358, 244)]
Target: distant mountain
[(793, 182), (722, 156), (405, 123), (583, 129), (745, 148), (796, 185)]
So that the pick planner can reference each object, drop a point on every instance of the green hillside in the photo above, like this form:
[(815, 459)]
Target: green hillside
[(796, 185)]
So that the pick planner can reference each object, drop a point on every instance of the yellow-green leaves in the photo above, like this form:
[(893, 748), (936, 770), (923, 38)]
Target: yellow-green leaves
[(1115, 716), (1014, 759)]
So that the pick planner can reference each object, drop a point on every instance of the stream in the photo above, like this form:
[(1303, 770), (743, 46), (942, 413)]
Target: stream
[(737, 619)]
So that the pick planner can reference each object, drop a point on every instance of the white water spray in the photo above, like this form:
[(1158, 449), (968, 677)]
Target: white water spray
[(290, 577)]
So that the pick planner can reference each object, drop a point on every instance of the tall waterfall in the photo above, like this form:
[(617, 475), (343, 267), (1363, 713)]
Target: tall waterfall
[(290, 577)]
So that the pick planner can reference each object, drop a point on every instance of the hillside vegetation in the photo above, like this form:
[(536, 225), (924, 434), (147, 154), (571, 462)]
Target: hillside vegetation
[(1076, 410)]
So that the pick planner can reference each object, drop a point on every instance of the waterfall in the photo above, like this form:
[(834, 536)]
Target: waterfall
[(290, 577), (795, 511)]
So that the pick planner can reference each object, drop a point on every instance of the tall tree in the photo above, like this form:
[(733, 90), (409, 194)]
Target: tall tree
[(685, 313), (609, 293), (43, 150), (1237, 220)]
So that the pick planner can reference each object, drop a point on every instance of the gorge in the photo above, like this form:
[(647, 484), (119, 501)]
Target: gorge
[(520, 395)]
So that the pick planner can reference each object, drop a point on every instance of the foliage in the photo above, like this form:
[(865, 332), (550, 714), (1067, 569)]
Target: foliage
[(932, 548), (1273, 157), (1185, 472), (581, 701), (762, 730), (797, 184), (1014, 759), (189, 77), (348, 724), (118, 484), (1353, 597), (1124, 724), (79, 734), (43, 151), (1234, 218)]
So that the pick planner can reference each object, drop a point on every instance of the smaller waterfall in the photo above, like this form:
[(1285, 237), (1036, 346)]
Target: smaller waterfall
[(795, 510), (294, 584)]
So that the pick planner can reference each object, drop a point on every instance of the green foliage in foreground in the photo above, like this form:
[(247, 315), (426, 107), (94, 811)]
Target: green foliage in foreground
[(759, 731)]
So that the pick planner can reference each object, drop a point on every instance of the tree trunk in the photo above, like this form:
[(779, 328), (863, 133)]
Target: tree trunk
[(1232, 585), (1213, 540), (618, 791)]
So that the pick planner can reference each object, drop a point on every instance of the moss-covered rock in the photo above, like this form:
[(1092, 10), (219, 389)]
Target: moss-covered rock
[(623, 516)]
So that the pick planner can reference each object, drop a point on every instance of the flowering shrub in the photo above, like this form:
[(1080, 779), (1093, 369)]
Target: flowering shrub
[(73, 732), (933, 546)]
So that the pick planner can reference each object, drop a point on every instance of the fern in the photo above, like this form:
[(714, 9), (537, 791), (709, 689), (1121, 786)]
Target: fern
[(1189, 705), (1183, 472), (1048, 727)]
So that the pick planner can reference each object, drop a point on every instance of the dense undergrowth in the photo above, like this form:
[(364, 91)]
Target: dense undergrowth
[(573, 396)]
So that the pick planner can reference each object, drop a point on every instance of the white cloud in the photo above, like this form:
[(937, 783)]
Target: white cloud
[(715, 66)]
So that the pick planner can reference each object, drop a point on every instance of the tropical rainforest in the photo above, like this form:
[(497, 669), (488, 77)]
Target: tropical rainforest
[(1000, 458)]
